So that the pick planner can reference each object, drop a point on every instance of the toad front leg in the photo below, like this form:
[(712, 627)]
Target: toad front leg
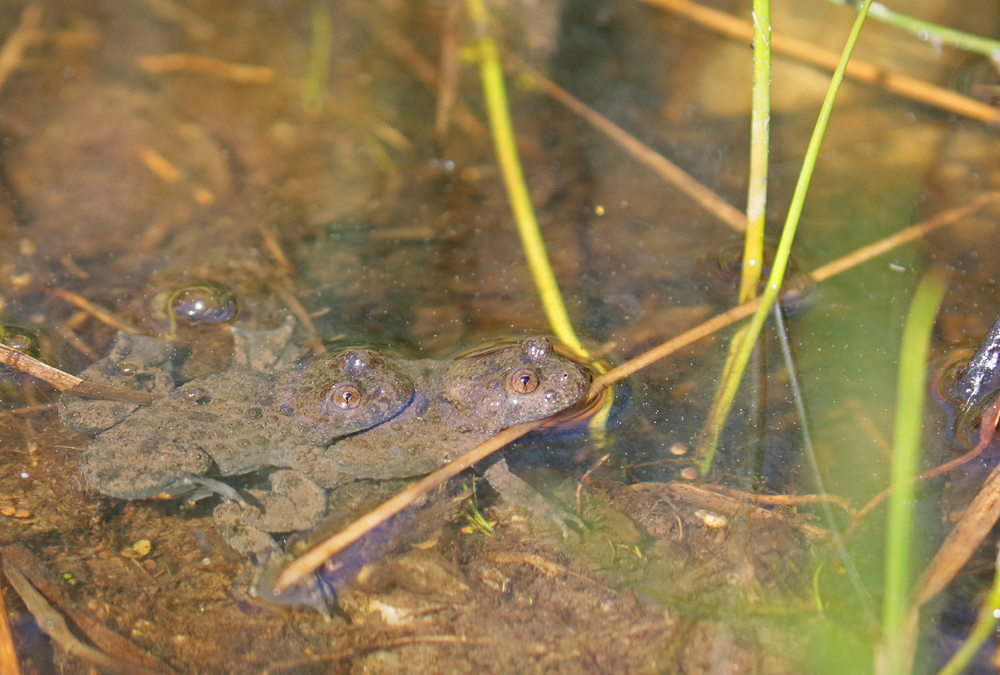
[(292, 503)]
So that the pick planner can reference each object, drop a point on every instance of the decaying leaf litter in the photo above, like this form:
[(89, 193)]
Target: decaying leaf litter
[(238, 179)]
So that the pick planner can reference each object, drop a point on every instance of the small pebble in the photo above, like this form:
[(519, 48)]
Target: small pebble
[(689, 473), (139, 549), (712, 520), (7, 510), (22, 513)]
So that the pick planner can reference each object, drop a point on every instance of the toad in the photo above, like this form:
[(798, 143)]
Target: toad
[(234, 422), (336, 418), (457, 404)]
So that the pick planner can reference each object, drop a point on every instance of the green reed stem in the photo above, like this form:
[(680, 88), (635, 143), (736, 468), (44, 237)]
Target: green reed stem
[(320, 51), (495, 93), (931, 32), (753, 247), (760, 116), (906, 439), (986, 623), (706, 449)]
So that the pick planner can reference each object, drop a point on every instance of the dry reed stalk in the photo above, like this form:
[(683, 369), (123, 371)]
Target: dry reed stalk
[(861, 71), (13, 49)]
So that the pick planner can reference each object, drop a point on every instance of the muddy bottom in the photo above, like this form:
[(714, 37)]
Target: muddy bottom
[(154, 584)]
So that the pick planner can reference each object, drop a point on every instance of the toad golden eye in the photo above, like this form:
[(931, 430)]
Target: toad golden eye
[(524, 380), (345, 397)]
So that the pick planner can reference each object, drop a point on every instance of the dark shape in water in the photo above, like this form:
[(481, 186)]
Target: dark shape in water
[(969, 387), (724, 266), (981, 377), (978, 79)]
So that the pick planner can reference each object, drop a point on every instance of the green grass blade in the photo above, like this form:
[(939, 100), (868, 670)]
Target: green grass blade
[(760, 115), (753, 247), (930, 32), (706, 449), (986, 624), (906, 442), (495, 93), (314, 84)]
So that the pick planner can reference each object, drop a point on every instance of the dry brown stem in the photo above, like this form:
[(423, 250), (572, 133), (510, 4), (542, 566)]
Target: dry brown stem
[(864, 254), (730, 507), (8, 653), (13, 49), (203, 65), (54, 625), (861, 71), (782, 500), (448, 82), (99, 313), (43, 582), (66, 383), (990, 419), (653, 160), (425, 71)]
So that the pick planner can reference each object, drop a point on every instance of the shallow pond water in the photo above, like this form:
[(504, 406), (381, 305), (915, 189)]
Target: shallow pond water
[(297, 154)]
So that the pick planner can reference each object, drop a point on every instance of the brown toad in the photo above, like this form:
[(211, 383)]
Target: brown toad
[(243, 419), (457, 404)]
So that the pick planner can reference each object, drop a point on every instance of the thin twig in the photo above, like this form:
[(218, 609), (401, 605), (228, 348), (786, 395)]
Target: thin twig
[(784, 500), (97, 312), (705, 498), (202, 65), (963, 540), (13, 49), (54, 625), (989, 423), (46, 583), (69, 384), (582, 481), (905, 86), (425, 71), (8, 653), (28, 410), (864, 254), (905, 236), (287, 294), (448, 85), (660, 165)]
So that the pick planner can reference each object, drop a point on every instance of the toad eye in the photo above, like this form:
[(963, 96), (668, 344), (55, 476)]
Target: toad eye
[(524, 380), (345, 396)]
